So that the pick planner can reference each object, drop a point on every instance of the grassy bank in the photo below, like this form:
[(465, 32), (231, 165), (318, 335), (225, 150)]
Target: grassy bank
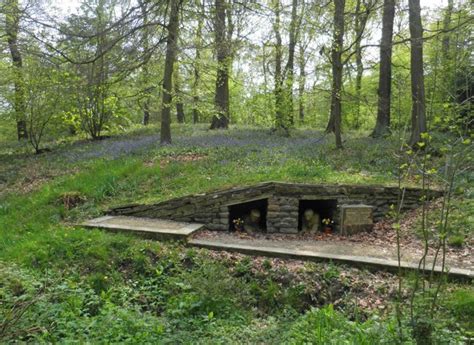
[(62, 283)]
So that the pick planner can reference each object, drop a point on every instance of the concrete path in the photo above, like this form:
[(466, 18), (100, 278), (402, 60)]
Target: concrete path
[(355, 254), (151, 228), (320, 252)]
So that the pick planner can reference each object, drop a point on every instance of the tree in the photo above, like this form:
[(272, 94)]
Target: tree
[(171, 51), (446, 24), (301, 81), (382, 125), (180, 116), (197, 61), (86, 34), (362, 12), (418, 113), (145, 69), (284, 77), (12, 28), (334, 124), (223, 34), (290, 66), (44, 99), (278, 77), (110, 45)]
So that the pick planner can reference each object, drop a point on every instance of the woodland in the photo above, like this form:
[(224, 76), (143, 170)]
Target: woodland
[(112, 102)]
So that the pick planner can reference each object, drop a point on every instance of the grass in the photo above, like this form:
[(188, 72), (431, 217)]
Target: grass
[(84, 285), (461, 303)]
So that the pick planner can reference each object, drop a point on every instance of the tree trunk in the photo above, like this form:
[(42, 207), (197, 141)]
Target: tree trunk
[(382, 125), (301, 83), (290, 66), (196, 65), (221, 100), (446, 25), (12, 27), (180, 116), (280, 122), (418, 116), (145, 71), (284, 79), (180, 112), (334, 124), (358, 86), (146, 113), (171, 49), (359, 26)]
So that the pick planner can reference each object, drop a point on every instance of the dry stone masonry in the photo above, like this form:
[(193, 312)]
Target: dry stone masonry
[(353, 208)]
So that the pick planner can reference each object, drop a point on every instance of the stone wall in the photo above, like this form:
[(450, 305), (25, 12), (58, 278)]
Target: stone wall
[(212, 209)]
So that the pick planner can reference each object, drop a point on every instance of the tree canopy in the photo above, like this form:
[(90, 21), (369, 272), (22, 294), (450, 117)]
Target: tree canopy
[(277, 64)]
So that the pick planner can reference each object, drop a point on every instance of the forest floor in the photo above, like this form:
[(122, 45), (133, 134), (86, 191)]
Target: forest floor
[(69, 284), (37, 168)]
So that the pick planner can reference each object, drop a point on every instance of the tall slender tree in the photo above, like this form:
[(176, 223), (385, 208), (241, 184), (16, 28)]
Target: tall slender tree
[(290, 65), (446, 24), (145, 68), (197, 60), (223, 54), (335, 118), (12, 28), (171, 50), (278, 74), (362, 12), (418, 112), (382, 125), (284, 78), (302, 80)]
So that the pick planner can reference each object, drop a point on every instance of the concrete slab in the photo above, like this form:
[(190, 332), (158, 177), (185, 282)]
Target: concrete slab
[(148, 227), (312, 255)]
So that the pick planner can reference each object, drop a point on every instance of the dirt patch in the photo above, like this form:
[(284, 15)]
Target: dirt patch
[(29, 177), (71, 200)]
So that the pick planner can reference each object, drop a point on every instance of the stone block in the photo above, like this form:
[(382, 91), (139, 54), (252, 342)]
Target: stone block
[(214, 226), (288, 230), (356, 218), (289, 208), (273, 214), (273, 207), (289, 220)]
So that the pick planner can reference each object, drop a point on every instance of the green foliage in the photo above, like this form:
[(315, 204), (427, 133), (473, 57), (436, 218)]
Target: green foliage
[(456, 241), (44, 310), (326, 326), (460, 303)]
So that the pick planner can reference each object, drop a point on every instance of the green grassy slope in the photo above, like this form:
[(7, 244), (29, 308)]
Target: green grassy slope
[(61, 283)]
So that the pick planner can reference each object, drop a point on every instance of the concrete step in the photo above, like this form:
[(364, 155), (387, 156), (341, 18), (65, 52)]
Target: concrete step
[(148, 227)]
